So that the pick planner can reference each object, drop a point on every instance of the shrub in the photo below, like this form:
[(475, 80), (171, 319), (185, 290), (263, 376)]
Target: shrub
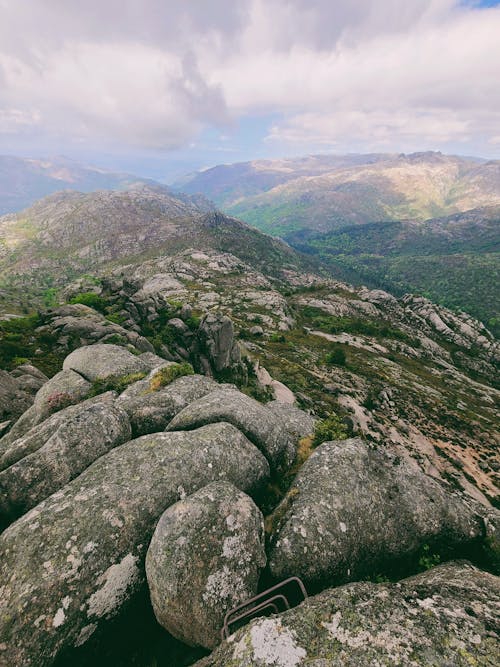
[(336, 357), (330, 428), (277, 338), (90, 299), (59, 400), (170, 373)]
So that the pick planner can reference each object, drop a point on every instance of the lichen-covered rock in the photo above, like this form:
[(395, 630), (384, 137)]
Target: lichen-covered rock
[(77, 442), (354, 510), (446, 616), (74, 560), (205, 558), (102, 361), (260, 425), (151, 411), (13, 447), (216, 342), (298, 423), (65, 388)]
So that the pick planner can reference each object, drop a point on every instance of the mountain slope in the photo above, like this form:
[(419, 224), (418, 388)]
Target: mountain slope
[(69, 234), (24, 180), (454, 260)]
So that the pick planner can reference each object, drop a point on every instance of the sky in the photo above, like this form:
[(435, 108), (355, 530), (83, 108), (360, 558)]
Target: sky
[(163, 87)]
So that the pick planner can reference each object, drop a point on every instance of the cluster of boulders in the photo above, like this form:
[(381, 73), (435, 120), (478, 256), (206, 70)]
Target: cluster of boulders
[(161, 482)]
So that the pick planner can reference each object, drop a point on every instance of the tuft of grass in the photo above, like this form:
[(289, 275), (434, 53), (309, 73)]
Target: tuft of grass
[(170, 373), (116, 383)]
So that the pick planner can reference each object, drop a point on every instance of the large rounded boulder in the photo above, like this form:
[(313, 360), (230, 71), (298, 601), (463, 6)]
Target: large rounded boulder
[(443, 617), (102, 361), (354, 510), (205, 557)]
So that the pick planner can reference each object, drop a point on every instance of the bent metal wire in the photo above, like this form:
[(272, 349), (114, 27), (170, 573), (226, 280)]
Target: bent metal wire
[(264, 601)]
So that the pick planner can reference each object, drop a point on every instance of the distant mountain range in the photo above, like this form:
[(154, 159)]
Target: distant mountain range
[(23, 180), (425, 223), (323, 193)]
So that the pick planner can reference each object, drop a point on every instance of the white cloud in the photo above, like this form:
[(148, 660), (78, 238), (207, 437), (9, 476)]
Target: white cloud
[(152, 73)]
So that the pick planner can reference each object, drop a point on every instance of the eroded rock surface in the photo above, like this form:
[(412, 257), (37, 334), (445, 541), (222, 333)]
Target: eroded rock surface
[(205, 558), (74, 560), (446, 616), (353, 510)]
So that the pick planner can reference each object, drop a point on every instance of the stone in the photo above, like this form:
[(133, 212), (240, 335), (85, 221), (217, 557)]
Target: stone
[(151, 411), (265, 429), (14, 447), (445, 616), (102, 361), (13, 400), (217, 343), (74, 560), (353, 511), (77, 442), (298, 423), (204, 559)]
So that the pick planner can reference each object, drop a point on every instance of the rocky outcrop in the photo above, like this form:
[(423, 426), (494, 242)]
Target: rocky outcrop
[(218, 351), (74, 560), (62, 390), (264, 428), (151, 411), (78, 441), (446, 616), (204, 559), (76, 325), (353, 510)]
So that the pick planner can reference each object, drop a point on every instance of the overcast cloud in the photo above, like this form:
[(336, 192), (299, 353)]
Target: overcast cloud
[(343, 75)]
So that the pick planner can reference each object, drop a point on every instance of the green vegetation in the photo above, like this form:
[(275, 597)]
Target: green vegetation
[(90, 299), (168, 374), (116, 383), (336, 356), (330, 428), (428, 559)]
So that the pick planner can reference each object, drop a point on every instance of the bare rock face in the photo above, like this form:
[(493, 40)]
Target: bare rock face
[(353, 511), (217, 345), (264, 428), (77, 442), (76, 558), (205, 558), (445, 616)]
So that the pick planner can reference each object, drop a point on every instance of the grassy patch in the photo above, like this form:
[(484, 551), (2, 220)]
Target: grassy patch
[(166, 375)]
